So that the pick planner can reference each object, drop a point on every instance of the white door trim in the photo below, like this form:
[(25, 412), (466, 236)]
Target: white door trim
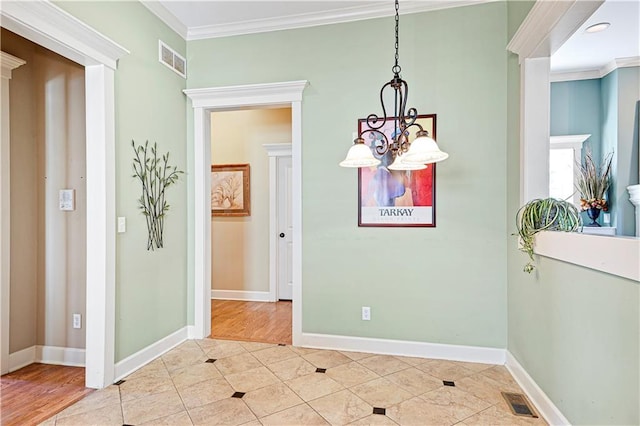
[(204, 101), (8, 63), (46, 24), (274, 151)]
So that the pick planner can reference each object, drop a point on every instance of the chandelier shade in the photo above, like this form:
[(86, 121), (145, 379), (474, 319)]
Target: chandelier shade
[(424, 150), (360, 155)]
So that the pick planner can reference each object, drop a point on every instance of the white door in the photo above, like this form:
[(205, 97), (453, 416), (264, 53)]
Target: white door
[(285, 229)]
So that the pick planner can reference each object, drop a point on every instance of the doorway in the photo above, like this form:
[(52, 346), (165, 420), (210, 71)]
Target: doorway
[(242, 260), (205, 101), (47, 207), (67, 36)]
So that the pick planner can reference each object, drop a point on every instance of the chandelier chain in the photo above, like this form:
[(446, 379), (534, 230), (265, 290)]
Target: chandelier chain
[(396, 68)]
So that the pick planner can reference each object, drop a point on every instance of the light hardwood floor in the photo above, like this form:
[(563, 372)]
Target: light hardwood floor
[(36, 392), (251, 321)]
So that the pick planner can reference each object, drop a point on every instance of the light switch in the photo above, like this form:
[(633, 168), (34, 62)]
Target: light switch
[(122, 225), (67, 199)]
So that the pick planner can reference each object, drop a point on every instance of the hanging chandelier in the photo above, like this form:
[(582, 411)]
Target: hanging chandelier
[(407, 155)]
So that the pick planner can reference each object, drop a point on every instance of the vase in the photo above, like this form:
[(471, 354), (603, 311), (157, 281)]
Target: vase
[(593, 214)]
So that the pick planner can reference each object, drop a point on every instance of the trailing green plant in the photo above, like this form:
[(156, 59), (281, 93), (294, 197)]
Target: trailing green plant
[(155, 175), (594, 181), (547, 214)]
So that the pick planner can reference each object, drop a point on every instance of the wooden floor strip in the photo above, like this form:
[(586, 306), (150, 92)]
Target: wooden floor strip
[(251, 321), (37, 392)]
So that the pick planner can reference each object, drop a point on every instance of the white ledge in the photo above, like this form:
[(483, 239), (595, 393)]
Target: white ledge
[(614, 255)]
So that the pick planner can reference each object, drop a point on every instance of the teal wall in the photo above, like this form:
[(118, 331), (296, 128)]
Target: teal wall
[(576, 109), (445, 284), (627, 150), (576, 331), (151, 289), (606, 109)]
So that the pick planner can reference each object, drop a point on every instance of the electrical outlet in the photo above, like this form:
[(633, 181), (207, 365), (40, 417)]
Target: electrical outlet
[(77, 321), (366, 313)]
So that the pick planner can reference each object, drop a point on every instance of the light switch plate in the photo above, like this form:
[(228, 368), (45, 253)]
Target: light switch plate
[(67, 199), (122, 224)]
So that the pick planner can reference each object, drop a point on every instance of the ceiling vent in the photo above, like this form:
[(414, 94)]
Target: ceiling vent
[(172, 59)]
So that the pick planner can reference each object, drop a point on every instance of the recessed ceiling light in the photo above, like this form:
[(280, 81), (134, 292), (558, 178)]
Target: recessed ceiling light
[(596, 28)]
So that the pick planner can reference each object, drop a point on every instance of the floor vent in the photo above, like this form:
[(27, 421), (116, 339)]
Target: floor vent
[(519, 405)]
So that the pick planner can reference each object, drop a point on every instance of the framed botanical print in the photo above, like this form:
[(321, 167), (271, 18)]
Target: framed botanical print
[(230, 190)]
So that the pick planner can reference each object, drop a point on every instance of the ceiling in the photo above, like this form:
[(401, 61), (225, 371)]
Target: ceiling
[(596, 51), (219, 18)]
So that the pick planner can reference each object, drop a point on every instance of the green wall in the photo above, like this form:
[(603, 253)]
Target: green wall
[(151, 289), (576, 331), (445, 284)]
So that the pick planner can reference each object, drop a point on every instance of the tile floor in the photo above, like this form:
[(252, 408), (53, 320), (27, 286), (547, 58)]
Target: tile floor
[(221, 382)]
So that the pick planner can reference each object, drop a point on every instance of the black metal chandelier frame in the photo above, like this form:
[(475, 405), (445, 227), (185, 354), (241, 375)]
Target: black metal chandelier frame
[(403, 121)]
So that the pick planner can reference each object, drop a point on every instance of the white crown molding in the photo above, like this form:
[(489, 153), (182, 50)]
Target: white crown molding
[(633, 61), (557, 77), (356, 13), (588, 74), (548, 26), (165, 16), (250, 94), (52, 27)]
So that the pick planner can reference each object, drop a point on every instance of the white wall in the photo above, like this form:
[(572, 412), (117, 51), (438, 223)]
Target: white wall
[(240, 245)]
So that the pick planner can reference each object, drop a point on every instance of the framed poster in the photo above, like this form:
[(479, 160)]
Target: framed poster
[(230, 190), (405, 198)]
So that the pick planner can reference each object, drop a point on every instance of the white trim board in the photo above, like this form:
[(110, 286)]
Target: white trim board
[(22, 358), (54, 355), (248, 296), (404, 348), (151, 352), (274, 151), (613, 255), (546, 408)]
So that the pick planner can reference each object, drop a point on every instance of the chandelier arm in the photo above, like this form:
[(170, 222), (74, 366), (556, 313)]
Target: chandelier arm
[(380, 145), (373, 119)]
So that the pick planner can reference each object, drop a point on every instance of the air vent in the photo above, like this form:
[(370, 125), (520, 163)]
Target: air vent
[(172, 59), (519, 405)]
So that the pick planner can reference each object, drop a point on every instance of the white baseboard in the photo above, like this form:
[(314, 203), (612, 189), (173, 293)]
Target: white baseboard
[(22, 358), (148, 354), (249, 296), (191, 332), (404, 348), (545, 406), (56, 355)]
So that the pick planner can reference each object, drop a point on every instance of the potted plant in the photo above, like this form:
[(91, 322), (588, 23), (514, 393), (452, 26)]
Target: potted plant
[(593, 183), (547, 214)]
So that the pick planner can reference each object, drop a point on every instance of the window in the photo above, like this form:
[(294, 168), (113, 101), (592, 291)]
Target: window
[(565, 153)]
